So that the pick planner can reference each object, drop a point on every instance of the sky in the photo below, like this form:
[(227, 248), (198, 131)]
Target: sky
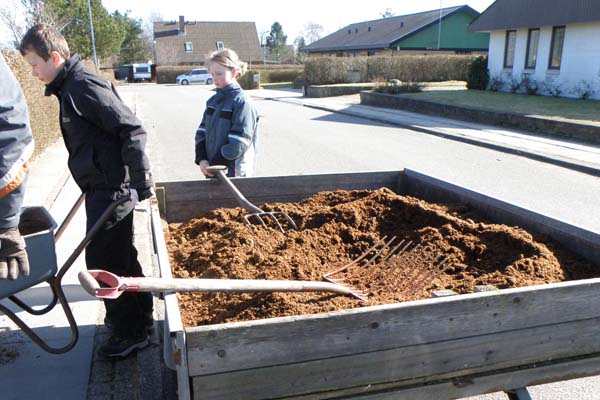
[(293, 16)]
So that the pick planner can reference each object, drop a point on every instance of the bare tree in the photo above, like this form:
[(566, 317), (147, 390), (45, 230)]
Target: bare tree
[(8, 18), (312, 32), (387, 13)]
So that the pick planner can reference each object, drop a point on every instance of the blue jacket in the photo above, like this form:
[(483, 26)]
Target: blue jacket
[(16, 147), (228, 133)]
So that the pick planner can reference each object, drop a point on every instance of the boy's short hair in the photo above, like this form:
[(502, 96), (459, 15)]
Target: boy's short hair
[(43, 39)]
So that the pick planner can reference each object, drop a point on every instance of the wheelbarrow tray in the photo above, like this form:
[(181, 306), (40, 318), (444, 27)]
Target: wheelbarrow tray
[(438, 348), (37, 227)]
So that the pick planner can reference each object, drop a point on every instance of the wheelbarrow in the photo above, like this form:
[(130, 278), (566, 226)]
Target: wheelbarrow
[(37, 227)]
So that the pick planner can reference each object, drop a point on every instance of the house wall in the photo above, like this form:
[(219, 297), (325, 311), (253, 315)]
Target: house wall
[(580, 59), (454, 35)]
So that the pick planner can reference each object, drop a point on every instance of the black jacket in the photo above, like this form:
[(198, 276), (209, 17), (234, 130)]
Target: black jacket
[(105, 140)]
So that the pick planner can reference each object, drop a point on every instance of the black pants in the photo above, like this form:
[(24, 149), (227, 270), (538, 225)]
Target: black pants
[(112, 249)]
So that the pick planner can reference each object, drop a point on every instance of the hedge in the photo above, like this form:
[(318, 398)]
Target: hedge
[(431, 68)]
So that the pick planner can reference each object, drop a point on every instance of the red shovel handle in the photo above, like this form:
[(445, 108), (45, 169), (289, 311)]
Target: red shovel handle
[(113, 285)]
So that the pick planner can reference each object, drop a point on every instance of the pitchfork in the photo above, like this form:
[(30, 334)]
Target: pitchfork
[(386, 260), (256, 213)]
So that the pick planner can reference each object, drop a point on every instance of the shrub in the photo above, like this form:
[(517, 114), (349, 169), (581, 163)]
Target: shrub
[(495, 84), (583, 90), (167, 74), (395, 87), (515, 85), (478, 75), (552, 87), (288, 75), (247, 81), (530, 85), (332, 70)]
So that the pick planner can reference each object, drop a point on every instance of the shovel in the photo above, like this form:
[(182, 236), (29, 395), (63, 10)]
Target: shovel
[(256, 213), (114, 286)]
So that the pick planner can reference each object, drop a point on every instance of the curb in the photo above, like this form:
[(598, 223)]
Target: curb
[(580, 167)]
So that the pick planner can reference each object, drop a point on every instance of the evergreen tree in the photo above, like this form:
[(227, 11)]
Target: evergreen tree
[(276, 42), (135, 48), (108, 34), (300, 44)]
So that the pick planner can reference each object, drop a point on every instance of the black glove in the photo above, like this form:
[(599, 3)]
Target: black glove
[(13, 257)]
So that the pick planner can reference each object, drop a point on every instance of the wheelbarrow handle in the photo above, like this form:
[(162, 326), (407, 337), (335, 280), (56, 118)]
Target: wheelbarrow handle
[(115, 285), (219, 171)]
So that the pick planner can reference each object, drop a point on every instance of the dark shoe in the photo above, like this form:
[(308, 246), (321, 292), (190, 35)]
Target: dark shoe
[(117, 346), (148, 324)]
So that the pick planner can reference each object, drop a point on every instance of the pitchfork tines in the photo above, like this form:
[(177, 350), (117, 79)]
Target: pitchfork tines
[(256, 213), (391, 264)]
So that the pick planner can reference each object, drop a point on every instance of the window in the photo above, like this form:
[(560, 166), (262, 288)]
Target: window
[(509, 49), (189, 47), (556, 48), (532, 47), (220, 46)]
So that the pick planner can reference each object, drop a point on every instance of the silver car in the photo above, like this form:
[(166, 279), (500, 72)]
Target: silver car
[(199, 75)]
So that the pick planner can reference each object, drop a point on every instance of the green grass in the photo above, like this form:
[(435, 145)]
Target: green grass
[(556, 107), (277, 85)]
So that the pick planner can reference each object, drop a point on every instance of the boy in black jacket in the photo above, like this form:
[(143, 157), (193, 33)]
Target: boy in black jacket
[(106, 145)]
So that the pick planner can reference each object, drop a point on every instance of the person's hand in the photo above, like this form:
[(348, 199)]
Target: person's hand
[(204, 164), (133, 196), (13, 257)]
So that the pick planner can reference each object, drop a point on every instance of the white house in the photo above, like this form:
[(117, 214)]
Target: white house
[(551, 47)]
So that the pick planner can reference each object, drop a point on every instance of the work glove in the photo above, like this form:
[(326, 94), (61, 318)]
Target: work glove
[(13, 257)]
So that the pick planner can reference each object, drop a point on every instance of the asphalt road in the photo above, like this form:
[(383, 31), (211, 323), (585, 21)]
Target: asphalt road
[(301, 140)]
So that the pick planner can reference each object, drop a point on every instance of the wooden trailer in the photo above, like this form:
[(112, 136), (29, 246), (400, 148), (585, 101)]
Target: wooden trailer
[(439, 348)]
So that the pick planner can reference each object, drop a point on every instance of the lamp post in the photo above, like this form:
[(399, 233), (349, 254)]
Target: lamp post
[(440, 26), (92, 34)]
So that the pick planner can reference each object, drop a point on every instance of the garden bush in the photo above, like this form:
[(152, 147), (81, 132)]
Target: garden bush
[(285, 75), (432, 68), (478, 75)]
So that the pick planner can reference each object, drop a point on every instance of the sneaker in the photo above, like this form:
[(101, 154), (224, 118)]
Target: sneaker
[(117, 346), (148, 324)]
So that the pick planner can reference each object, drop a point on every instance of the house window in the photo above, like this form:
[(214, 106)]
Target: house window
[(556, 48), (532, 47), (188, 47), (509, 49), (220, 46)]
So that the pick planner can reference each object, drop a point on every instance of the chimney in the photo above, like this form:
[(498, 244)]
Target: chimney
[(181, 25)]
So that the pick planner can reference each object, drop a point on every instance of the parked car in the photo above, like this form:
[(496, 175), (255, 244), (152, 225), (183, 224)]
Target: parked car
[(199, 75)]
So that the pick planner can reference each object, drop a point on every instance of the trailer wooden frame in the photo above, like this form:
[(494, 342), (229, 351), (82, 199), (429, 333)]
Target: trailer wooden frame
[(439, 348)]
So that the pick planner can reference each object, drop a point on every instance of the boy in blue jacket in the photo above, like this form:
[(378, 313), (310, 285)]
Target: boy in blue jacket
[(228, 133)]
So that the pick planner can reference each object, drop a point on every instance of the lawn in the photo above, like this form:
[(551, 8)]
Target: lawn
[(586, 110)]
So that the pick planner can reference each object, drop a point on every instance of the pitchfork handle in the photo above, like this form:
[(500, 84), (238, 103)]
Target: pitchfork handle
[(243, 201)]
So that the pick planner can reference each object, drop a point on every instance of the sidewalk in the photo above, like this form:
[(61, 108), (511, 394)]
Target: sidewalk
[(576, 156), (28, 372)]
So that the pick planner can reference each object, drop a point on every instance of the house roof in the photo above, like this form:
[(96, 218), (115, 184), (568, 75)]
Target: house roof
[(514, 14), (381, 33), (239, 36)]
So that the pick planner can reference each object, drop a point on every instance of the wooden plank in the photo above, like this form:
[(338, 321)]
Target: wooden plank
[(242, 345), (190, 199), (470, 385), (421, 363)]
